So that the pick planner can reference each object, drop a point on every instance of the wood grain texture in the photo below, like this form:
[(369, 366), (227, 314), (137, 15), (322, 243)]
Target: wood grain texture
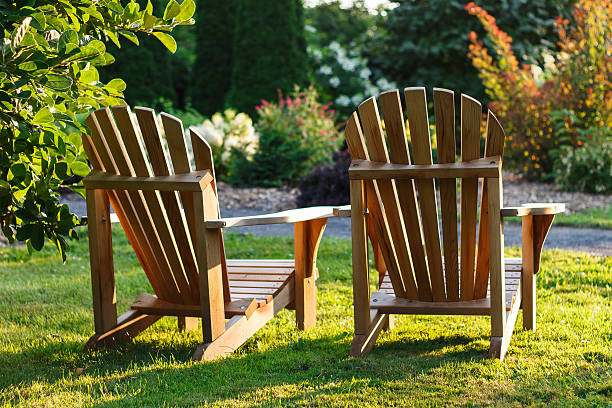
[(283, 217), (151, 135), (528, 276), (137, 210), (101, 261), (202, 155), (494, 147), (471, 115), (377, 147), (175, 136), (496, 259), (361, 284), (416, 111), (307, 237), (444, 110), (391, 107), (358, 150)]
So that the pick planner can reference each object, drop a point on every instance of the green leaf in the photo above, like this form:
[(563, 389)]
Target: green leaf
[(68, 37), (58, 82), (167, 40), (172, 10), (130, 36), (80, 168), (43, 116), (116, 84), (187, 10), (37, 237)]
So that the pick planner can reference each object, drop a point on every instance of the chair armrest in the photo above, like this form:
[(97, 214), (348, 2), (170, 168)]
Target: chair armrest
[(283, 217), (343, 211), (194, 181), (533, 209)]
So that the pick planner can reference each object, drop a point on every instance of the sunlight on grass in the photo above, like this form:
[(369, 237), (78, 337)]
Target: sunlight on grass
[(46, 318)]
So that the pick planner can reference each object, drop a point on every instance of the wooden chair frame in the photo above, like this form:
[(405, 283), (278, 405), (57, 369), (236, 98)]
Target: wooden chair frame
[(226, 322), (394, 228)]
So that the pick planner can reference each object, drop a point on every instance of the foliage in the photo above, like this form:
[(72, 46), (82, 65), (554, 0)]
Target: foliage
[(588, 168), (267, 51), (295, 135), (343, 76), (425, 40), (49, 57), (334, 22), (212, 71), (327, 185), (425, 361), (229, 134), (560, 104)]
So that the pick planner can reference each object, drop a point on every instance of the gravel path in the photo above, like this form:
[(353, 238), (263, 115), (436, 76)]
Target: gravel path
[(250, 201)]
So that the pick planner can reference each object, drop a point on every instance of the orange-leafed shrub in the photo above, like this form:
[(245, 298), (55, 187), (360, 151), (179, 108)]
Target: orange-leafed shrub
[(571, 92)]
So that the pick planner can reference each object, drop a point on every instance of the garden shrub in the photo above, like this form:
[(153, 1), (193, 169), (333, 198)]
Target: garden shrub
[(50, 58), (424, 42), (327, 185), (212, 70), (268, 53), (588, 168), (571, 92), (296, 134), (230, 135)]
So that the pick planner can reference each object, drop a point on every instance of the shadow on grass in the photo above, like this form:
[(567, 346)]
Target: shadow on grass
[(162, 371)]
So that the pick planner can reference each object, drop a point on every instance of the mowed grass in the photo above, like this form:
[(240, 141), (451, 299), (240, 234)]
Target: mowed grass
[(46, 317)]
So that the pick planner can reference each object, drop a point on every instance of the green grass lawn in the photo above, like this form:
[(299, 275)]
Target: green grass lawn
[(46, 317)]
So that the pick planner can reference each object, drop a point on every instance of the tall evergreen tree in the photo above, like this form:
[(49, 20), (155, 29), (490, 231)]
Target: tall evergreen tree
[(267, 51), (212, 71)]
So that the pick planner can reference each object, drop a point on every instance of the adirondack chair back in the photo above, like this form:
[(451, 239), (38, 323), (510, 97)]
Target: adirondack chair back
[(405, 218), (160, 225)]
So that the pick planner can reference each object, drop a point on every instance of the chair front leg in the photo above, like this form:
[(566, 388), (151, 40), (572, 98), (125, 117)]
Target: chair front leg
[(307, 236), (528, 287), (101, 259)]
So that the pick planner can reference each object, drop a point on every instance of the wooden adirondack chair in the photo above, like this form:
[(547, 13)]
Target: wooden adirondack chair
[(177, 238), (402, 220)]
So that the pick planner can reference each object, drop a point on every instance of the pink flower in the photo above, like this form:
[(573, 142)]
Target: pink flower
[(324, 132), (332, 111), (257, 108), (288, 102), (264, 102)]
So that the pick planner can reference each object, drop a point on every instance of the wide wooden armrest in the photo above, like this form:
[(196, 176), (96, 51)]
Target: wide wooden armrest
[(533, 209), (283, 217), (366, 169), (343, 211), (194, 181)]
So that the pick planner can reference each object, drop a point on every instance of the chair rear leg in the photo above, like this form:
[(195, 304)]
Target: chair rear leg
[(307, 236), (187, 323)]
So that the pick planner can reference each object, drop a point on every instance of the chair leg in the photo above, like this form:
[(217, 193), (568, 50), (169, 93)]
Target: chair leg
[(528, 287), (307, 236), (187, 323), (101, 261)]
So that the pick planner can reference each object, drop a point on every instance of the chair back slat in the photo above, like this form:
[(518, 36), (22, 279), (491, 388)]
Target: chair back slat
[(391, 107), (131, 204), (151, 135), (370, 120), (471, 116), (494, 147), (203, 158), (444, 114), (418, 121), (152, 213), (358, 150)]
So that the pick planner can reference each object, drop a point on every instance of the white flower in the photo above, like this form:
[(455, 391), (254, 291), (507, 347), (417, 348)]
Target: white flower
[(343, 100), (334, 81), (325, 70), (335, 46), (538, 74), (365, 73), (310, 28), (357, 99), (317, 54), (382, 83)]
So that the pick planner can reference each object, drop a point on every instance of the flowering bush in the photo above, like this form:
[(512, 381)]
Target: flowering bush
[(229, 134), (295, 134), (343, 75), (571, 92)]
